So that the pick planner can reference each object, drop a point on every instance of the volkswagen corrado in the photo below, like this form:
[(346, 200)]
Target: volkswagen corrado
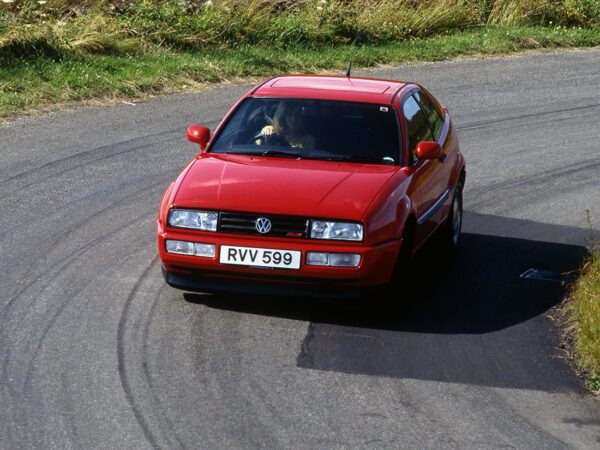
[(313, 185)]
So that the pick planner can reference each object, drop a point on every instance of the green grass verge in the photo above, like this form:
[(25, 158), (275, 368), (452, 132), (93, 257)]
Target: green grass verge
[(37, 83), (583, 315)]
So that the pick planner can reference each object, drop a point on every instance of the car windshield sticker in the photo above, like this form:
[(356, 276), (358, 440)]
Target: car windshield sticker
[(383, 108)]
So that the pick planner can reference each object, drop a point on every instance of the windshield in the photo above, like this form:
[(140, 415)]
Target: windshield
[(312, 129)]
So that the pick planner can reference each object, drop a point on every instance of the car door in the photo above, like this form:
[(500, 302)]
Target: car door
[(442, 135), (439, 121), (427, 186)]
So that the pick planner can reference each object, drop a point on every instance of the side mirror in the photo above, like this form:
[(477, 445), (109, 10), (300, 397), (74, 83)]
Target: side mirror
[(429, 150), (199, 135)]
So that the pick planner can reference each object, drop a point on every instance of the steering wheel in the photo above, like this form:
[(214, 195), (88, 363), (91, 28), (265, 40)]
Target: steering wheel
[(270, 139)]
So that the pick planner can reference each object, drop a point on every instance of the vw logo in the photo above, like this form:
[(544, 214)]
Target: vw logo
[(263, 225)]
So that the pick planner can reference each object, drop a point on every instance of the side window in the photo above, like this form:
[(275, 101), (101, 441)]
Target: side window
[(436, 120), (416, 124)]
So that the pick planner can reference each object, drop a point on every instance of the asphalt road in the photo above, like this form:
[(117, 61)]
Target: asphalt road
[(97, 351)]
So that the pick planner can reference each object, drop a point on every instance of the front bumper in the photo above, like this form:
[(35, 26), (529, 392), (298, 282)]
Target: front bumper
[(209, 275), (207, 282)]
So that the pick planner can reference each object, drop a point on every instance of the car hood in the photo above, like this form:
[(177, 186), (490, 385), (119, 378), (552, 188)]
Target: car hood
[(282, 186)]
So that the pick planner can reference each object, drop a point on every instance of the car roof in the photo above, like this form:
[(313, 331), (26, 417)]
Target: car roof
[(369, 90)]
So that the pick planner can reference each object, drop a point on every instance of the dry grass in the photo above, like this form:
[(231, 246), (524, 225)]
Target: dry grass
[(583, 312), (29, 29), (544, 12)]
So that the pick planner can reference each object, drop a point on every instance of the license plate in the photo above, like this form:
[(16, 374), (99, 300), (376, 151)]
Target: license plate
[(260, 257)]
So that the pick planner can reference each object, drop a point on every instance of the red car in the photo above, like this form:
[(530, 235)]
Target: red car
[(313, 185)]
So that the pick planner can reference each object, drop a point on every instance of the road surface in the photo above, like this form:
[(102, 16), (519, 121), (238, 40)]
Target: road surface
[(96, 351)]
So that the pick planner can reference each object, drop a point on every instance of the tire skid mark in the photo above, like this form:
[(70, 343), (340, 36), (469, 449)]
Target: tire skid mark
[(494, 123), (76, 205), (496, 401), (72, 297), (121, 358), (27, 383), (516, 151), (27, 386), (418, 407), (507, 124), (68, 417), (529, 180), (169, 425), (60, 238), (88, 154), (37, 181), (63, 235), (58, 270)]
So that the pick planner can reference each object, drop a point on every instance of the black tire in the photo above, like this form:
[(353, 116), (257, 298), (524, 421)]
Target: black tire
[(453, 227)]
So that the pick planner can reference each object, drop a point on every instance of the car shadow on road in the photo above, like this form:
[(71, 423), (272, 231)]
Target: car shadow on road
[(469, 319)]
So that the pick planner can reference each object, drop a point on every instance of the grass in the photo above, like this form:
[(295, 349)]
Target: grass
[(61, 51), (43, 81), (583, 315)]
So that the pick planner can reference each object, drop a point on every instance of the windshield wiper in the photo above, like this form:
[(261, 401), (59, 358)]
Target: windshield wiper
[(288, 153), (276, 153), (356, 158)]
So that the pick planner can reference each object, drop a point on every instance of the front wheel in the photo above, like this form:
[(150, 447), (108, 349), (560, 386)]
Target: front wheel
[(454, 224)]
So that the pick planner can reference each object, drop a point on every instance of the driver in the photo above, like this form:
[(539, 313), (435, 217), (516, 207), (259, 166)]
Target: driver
[(288, 128)]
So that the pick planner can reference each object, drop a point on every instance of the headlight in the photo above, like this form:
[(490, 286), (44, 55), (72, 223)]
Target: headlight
[(198, 220), (320, 229)]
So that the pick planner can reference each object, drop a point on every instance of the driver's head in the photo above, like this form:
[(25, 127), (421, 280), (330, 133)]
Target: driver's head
[(288, 118)]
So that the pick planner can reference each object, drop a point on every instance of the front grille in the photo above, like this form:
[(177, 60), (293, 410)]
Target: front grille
[(245, 223)]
